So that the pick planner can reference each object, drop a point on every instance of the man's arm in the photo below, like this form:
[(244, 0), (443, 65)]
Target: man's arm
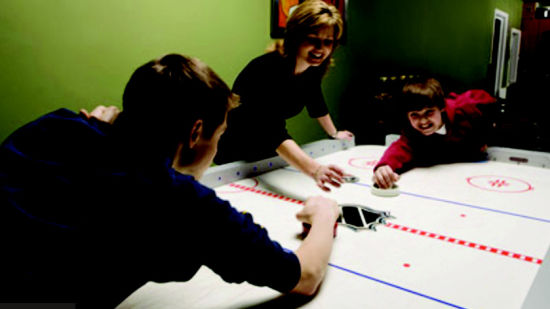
[(240, 250), (314, 252)]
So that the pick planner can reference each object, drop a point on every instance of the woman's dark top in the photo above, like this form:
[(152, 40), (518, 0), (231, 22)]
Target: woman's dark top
[(270, 94)]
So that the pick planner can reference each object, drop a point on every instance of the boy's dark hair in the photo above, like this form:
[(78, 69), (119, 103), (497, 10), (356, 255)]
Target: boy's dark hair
[(420, 93), (163, 99)]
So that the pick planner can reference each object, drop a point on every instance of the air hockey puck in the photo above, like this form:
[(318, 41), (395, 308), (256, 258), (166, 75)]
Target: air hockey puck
[(350, 178), (393, 191)]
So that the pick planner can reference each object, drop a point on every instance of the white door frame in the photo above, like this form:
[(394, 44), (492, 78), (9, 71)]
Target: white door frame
[(500, 61)]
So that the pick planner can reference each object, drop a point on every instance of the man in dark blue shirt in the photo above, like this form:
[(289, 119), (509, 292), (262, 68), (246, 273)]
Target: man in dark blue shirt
[(92, 211)]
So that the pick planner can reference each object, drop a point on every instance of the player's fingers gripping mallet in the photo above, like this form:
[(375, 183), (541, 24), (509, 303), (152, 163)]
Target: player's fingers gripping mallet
[(390, 192)]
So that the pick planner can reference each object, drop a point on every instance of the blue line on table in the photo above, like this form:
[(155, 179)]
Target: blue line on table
[(468, 205), (395, 286), (508, 213)]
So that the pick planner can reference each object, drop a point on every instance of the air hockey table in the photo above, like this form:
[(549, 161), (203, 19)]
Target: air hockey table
[(464, 235)]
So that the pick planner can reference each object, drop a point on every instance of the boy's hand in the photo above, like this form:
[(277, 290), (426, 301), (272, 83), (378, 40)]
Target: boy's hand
[(385, 177), (318, 209)]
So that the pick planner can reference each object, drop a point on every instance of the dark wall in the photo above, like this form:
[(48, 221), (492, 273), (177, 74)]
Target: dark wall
[(450, 40)]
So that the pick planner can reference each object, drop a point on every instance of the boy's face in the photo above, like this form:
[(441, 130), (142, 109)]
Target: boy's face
[(207, 149), (203, 150), (426, 121)]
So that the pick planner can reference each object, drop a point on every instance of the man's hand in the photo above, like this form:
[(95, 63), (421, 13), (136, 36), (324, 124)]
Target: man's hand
[(102, 113), (319, 208)]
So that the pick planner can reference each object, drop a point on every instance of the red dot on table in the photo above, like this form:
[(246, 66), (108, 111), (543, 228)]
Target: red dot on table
[(463, 215), (406, 265)]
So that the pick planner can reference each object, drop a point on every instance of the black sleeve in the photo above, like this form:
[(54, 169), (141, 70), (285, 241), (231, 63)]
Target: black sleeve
[(238, 250)]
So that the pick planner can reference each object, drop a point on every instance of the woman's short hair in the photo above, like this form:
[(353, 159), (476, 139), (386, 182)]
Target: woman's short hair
[(310, 17)]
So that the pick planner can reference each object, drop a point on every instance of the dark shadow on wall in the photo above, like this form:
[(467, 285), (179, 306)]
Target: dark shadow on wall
[(368, 104)]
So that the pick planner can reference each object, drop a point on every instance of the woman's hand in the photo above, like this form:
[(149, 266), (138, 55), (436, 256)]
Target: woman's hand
[(328, 174), (345, 135)]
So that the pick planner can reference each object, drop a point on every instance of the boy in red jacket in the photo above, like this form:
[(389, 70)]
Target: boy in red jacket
[(441, 130)]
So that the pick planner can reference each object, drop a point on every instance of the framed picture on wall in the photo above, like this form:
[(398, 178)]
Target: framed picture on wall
[(281, 10)]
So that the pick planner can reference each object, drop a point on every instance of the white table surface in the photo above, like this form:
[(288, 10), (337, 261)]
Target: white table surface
[(465, 235)]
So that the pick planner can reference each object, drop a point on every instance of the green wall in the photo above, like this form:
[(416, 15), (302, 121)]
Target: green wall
[(66, 53), (78, 54)]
